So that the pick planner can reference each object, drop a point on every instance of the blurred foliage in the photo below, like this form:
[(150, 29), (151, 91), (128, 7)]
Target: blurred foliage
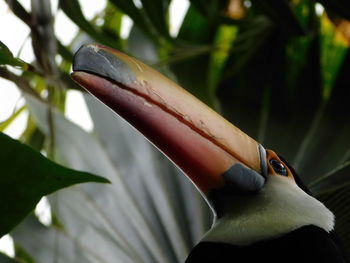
[(22, 188), (277, 69)]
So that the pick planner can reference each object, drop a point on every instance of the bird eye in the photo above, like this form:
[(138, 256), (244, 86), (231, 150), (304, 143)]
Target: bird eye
[(278, 167)]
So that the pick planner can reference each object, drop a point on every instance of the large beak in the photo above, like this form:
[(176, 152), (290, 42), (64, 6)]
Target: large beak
[(213, 153)]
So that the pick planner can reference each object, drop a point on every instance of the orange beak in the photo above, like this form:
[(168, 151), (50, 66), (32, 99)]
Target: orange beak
[(212, 152)]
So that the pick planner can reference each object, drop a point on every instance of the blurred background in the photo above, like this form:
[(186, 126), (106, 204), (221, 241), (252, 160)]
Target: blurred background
[(277, 69)]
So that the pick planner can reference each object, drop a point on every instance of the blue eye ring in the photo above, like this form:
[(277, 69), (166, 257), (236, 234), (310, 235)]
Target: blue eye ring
[(278, 167)]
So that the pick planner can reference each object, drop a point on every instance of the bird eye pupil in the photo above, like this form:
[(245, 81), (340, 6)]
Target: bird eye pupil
[(278, 167)]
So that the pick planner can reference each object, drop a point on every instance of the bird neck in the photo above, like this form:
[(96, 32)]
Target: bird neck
[(279, 208)]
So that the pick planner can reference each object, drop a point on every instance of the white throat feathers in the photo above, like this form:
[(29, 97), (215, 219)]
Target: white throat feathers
[(279, 208)]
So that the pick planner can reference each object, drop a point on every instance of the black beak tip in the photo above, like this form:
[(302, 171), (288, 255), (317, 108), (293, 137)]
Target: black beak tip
[(81, 59), (96, 59)]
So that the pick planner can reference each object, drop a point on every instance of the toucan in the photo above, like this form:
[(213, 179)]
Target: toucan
[(263, 211)]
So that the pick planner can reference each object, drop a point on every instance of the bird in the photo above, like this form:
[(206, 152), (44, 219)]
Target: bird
[(262, 210)]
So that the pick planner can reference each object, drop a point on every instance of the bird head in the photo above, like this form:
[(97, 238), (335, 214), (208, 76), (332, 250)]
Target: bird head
[(223, 162)]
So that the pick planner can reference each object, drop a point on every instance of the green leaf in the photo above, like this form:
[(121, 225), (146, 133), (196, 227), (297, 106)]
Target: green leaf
[(223, 42), (208, 8), (4, 124), (73, 10), (26, 176), (22, 255), (252, 35), (333, 52), (156, 11), (112, 22), (297, 50), (305, 12), (5, 259), (6, 58), (32, 135), (137, 15)]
